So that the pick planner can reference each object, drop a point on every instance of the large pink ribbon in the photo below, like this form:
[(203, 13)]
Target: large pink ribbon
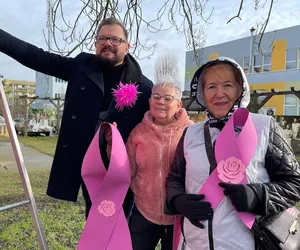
[(106, 227), (241, 147), (176, 232)]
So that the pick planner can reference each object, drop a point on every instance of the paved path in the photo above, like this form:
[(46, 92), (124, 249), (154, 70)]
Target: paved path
[(34, 159)]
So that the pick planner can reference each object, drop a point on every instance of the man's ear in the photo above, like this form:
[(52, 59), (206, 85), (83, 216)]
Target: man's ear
[(127, 47)]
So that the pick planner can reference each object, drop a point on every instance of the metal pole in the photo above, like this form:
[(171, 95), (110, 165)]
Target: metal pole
[(14, 205), (58, 114), (251, 51), (22, 169), (25, 116)]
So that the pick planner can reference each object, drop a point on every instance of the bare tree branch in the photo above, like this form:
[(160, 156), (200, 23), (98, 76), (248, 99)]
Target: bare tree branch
[(186, 17), (265, 26), (238, 14)]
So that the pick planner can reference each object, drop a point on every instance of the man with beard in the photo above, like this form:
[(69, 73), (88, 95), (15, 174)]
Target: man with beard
[(88, 101)]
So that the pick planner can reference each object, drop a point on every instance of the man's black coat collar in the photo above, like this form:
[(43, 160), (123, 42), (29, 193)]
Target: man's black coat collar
[(132, 72)]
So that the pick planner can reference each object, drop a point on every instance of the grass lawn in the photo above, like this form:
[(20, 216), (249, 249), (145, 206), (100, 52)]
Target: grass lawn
[(62, 221), (44, 144)]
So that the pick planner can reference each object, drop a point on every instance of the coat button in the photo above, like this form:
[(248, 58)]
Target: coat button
[(73, 116), (65, 145), (82, 87)]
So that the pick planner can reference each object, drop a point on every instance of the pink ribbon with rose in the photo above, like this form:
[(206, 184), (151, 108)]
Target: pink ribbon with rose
[(106, 227), (233, 155)]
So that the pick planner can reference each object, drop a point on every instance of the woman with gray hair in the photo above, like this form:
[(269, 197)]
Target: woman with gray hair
[(151, 147)]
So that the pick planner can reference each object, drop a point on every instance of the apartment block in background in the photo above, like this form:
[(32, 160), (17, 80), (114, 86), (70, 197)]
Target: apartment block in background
[(275, 65), (15, 89)]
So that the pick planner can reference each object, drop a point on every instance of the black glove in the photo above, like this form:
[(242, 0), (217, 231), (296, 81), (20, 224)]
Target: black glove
[(242, 196), (191, 207)]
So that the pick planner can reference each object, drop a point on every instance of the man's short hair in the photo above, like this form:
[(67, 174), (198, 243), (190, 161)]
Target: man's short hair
[(112, 21)]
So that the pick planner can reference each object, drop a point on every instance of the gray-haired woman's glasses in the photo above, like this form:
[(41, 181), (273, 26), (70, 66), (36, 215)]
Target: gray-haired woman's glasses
[(167, 98)]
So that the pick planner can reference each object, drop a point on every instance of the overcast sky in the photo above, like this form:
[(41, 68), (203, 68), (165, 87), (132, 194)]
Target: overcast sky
[(27, 19)]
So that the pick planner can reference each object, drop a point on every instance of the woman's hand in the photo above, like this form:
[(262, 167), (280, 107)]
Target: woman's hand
[(193, 208), (242, 197)]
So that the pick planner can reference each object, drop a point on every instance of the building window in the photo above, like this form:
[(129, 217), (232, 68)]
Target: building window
[(291, 56), (246, 64), (267, 63), (290, 100), (290, 105), (257, 62), (289, 110)]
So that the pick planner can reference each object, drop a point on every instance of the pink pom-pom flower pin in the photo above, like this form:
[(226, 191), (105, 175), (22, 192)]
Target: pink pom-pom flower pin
[(125, 95)]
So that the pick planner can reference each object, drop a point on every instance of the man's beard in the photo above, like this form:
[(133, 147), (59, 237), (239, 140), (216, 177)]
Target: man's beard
[(108, 61)]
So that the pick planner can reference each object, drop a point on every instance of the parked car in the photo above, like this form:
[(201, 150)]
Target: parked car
[(39, 126), (36, 126), (19, 125)]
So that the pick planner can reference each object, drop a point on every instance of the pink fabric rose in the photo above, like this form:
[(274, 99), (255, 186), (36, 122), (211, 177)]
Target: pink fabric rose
[(231, 170), (107, 208)]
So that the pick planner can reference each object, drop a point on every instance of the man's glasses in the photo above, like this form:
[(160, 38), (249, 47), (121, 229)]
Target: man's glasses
[(167, 98), (113, 40)]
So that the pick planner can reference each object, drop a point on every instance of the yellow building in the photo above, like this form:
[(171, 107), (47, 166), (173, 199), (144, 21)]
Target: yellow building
[(275, 65), (16, 88)]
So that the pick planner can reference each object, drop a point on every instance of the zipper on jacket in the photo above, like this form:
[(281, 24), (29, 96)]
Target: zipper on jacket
[(183, 246), (160, 176), (182, 232)]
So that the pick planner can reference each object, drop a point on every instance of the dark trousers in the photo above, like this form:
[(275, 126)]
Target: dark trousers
[(145, 235), (87, 199)]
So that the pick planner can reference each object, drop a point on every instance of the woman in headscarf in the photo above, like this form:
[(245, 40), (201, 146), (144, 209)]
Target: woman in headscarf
[(271, 172)]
